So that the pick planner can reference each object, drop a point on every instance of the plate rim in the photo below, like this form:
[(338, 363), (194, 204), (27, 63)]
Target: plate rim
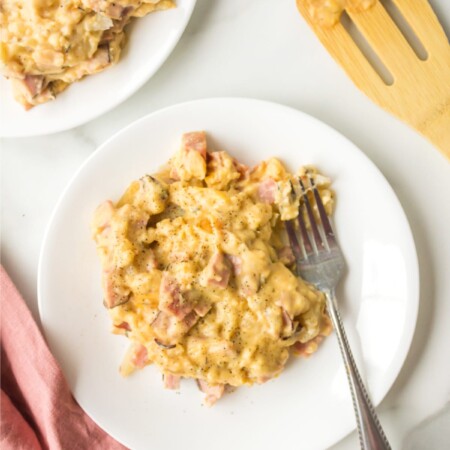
[(414, 296), (4, 133)]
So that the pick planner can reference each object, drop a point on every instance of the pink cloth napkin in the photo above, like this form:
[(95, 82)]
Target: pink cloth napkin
[(37, 408)]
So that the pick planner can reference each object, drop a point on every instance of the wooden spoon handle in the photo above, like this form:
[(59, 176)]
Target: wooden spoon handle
[(437, 130)]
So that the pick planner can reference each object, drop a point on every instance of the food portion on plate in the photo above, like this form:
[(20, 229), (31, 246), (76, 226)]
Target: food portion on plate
[(198, 274), (46, 45)]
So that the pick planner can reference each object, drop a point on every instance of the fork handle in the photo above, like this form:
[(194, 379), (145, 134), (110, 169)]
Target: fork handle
[(371, 435)]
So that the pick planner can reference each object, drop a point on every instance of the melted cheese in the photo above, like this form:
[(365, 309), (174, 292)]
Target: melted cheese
[(211, 244)]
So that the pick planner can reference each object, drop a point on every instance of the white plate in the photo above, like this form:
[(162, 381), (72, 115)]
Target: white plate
[(309, 405), (151, 40)]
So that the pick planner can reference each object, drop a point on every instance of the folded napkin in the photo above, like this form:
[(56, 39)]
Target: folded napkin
[(37, 408)]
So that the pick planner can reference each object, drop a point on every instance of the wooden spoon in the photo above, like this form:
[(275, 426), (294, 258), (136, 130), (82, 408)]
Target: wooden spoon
[(420, 93)]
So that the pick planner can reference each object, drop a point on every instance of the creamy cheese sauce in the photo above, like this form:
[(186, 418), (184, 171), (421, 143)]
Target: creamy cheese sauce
[(197, 272)]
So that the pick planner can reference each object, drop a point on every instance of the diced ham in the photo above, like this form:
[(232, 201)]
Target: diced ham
[(286, 255), (254, 271), (307, 348), (114, 11), (190, 320), (273, 374), (195, 140), (101, 58), (127, 11), (243, 170), (236, 262), (264, 379), (107, 37), (171, 299), (267, 189), (99, 61), (202, 309), (190, 161), (165, 327), (217, 272), (217, 162), (222, 161), (29, 92), (171, 381), (101, 224), (34, 84), (213, 392), (124, 326), (222, 170), (174, 174), (140, 356), (103, 215), (169, 329), (287, 325), (114, 291), (216, 158)]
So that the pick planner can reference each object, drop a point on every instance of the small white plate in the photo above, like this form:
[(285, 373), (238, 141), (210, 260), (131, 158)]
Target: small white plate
[(150, 41), (309, 405)]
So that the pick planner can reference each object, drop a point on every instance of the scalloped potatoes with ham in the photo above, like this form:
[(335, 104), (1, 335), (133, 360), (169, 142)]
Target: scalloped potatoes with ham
[(46, 45), (197, 272)]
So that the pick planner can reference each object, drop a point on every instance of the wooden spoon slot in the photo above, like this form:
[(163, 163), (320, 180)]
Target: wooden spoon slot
[(406, 29), (366, 49)]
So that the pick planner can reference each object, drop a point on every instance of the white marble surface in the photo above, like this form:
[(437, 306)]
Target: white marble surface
[(262, 49)]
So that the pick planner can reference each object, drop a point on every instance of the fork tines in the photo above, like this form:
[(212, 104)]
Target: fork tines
[(321, 238)]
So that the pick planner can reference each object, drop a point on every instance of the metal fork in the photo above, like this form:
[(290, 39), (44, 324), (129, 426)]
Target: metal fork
[(320, 262)]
